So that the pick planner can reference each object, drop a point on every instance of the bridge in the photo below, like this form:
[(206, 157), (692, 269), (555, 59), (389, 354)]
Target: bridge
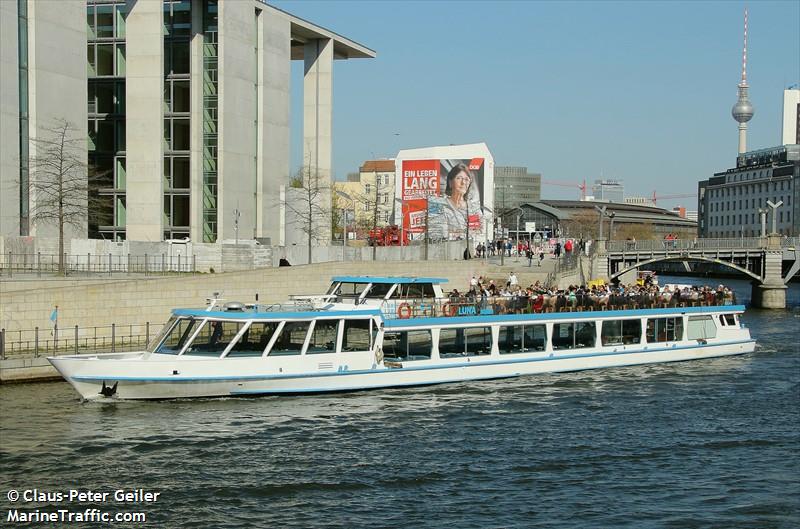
[(770, 261)]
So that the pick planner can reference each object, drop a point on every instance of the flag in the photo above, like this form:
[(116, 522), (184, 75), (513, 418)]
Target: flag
[(54, 316)]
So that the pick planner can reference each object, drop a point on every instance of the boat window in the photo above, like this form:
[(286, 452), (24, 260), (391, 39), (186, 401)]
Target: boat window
[(323, 337), (510, 339), (379, 290), (413, 291), (407, 345), (621, 332), (357, 335), (728, 319), (291, 339), (576, 335), (352, 290), (214, 337), (465, 342), (151, 347), (522, 338), (478, 340), (177, 336), (701, 328), (254, 340), (664, 329), (534, 337)]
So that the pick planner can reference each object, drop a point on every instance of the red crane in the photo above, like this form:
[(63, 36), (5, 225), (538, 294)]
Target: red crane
[(579, 186), (664, 197)]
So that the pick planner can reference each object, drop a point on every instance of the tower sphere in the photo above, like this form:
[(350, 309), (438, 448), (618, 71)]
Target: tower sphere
[(742, 111)]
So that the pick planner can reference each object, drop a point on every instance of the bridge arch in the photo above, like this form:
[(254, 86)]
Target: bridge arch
[(687, 258)]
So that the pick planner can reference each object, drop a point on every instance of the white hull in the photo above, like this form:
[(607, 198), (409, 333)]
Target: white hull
[(144, 376)]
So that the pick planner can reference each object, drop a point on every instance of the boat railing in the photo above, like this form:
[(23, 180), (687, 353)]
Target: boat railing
[(450, 307), (291, 306)]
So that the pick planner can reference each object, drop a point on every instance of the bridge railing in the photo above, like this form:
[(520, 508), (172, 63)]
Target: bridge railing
[(790, 242), (685, 244)]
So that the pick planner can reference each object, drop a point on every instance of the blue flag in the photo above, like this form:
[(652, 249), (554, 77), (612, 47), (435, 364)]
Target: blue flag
[(54, 315)]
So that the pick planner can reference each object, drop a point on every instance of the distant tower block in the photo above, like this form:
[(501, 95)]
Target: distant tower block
[(742, 111)]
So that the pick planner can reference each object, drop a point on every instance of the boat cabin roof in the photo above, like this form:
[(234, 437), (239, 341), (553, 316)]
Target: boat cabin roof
[(388, 279), (274, 312)]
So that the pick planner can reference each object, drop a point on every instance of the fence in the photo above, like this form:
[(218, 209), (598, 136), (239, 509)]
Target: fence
[(74, 340), (11, 263)]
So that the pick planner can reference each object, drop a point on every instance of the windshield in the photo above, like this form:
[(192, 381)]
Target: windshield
[(151, 346)]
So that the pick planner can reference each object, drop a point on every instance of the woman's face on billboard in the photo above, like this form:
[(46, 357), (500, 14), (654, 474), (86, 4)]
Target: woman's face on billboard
[(461, 183)]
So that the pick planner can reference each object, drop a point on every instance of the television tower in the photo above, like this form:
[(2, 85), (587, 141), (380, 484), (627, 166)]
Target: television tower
[(742, 111)]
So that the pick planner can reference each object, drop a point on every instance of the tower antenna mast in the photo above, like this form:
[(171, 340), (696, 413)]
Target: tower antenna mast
[(742, 111)]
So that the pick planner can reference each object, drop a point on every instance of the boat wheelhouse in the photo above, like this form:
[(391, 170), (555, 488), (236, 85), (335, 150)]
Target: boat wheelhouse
[(369, 333)]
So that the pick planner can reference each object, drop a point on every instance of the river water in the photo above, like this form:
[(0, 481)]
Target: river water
[(711, 443)]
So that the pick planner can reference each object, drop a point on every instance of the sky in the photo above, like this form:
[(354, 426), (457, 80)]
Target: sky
[(634, 91)]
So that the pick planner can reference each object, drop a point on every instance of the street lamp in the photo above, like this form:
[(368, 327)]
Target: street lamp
[(520, 214), (344, 214), (602, 212), (611, 226)]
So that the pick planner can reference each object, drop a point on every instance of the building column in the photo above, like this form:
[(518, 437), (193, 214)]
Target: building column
[(196, 125), (600, 266), (274, 72), (771, 293), (317, 124), (144, 126), (10, 197)]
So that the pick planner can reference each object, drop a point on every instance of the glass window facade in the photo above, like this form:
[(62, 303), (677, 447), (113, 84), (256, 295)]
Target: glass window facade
[(24, 133), (106, 66), (210, 107), (177, 31)]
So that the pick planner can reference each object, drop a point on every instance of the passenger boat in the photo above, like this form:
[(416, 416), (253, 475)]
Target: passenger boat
[(381, 332)]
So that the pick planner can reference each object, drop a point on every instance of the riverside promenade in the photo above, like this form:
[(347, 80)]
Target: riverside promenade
[(99, 314)]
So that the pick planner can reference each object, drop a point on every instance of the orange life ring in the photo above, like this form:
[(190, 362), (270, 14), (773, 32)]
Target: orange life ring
[(404, 311), (449, 309)]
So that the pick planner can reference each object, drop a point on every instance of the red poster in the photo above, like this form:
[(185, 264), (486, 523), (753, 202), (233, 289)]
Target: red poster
[(420, 179)]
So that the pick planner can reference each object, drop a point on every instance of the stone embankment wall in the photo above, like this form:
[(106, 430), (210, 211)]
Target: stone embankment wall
[(125, 301)]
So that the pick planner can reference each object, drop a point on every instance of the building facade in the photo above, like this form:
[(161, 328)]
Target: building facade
[(367, 197), (514, 186), (730, 203), (790, 124), (580, 219), (187, 116), (608, 191)]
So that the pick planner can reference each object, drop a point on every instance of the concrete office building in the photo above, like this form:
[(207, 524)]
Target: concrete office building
[(790, 129), (609, 191), (730, 203), (514, 186), (188, 110)]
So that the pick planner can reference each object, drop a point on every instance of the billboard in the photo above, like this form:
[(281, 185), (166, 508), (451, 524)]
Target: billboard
[(445, 195)]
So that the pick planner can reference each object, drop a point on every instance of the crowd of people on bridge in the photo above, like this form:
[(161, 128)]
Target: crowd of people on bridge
[(511, 297), (531, 250)]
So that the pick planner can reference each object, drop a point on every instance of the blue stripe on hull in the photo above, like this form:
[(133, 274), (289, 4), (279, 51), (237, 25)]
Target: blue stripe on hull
[(175, 379)]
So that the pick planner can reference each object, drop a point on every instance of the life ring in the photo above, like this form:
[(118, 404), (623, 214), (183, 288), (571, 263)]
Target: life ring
[(404, 311), (449, 309)]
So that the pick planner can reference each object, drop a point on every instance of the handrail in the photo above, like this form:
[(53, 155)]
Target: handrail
[(686, 244), (544, 303)]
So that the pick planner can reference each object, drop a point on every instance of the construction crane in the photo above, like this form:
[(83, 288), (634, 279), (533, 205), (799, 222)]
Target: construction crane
[(656, 197), (580, 186)]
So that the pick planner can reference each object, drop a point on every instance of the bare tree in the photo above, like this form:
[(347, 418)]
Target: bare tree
[(308, 198), (369, 199), (60, 181), (582, 224)]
